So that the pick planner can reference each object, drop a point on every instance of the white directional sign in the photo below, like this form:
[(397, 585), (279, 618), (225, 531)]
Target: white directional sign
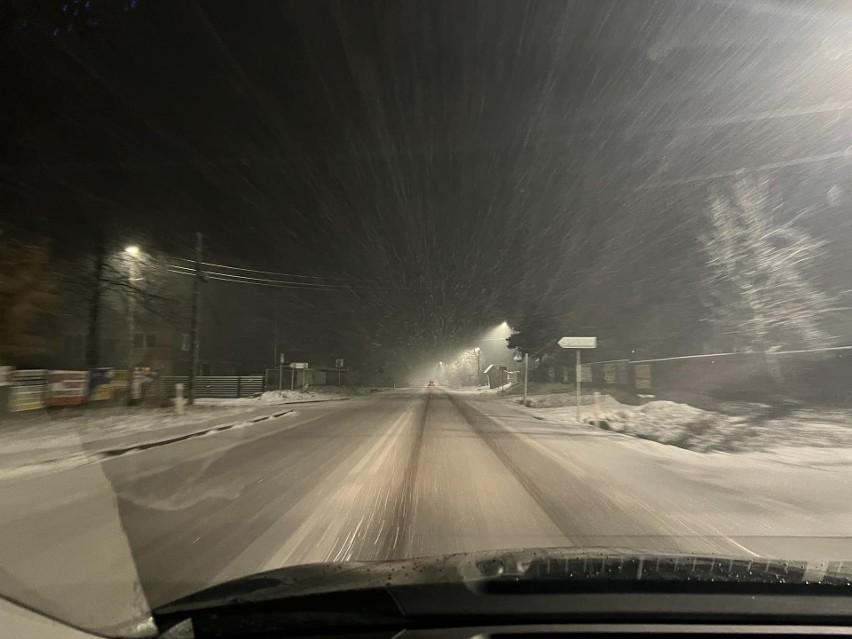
[(298, 365), (580, 375), (338, 363), (578, 342)]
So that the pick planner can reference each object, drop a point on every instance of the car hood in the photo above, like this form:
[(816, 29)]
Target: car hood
[(582, 567)]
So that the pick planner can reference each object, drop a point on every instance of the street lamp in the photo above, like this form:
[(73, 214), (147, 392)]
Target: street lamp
[(132, 250)]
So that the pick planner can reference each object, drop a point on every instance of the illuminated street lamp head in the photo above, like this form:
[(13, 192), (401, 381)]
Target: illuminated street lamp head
[(132, 250)]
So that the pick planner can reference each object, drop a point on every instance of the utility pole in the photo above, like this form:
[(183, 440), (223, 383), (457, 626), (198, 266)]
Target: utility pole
[(526, 374), (275, 337), (478, 369), (196, 316)]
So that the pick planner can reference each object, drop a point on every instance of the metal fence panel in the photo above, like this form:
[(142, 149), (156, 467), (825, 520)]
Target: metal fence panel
[(251, 385), (215, 386)]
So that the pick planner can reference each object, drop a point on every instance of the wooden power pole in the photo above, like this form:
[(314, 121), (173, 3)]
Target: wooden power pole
[(196, 317)]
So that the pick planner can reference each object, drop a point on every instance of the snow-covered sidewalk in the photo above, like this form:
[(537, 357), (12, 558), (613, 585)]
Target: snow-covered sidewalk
[(69, 437), (805, 436)]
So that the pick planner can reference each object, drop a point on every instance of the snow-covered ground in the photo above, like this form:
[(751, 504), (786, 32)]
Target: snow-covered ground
[(483, 391), (53, 439), (806, 436), (315, 393)]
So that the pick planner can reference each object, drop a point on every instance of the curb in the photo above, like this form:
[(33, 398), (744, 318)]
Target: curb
[(115, 452)]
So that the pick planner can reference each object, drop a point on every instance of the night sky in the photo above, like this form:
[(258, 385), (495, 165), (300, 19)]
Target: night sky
[(454, 163)]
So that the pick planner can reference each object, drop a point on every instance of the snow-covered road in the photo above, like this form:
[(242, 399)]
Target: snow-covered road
[(399, 474)]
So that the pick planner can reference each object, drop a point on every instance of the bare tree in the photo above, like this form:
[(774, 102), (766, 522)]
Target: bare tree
[(104, 281), (758, 275), (27, 298)]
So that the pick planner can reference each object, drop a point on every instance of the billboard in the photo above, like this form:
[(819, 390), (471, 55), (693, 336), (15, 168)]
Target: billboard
[(67, 388)]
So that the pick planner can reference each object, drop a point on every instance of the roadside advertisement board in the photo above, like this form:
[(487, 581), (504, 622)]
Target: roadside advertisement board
[(100, 384), (23, 398), (120, 380), (28, 390), (67, 388)]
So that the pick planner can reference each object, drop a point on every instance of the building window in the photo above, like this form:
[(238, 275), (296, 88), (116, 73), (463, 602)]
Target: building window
[(151, 340)]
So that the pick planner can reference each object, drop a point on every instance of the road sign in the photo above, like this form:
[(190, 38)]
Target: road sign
[(578, 342), (338, 363), (298, 364)]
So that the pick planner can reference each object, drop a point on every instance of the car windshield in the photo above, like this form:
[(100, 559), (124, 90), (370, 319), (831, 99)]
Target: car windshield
[(285, 283)]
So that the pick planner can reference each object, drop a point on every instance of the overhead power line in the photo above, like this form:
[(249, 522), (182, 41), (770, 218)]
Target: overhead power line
[(256, 280), (269, 282), (251, 270)]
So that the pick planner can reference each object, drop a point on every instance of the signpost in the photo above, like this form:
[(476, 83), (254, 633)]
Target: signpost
[(293, 367), (579, 343), (179, 398), (526, 359), (338, 364), (280, 370)]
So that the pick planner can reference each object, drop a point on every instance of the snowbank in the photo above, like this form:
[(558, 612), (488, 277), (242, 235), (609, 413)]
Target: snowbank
[(314, 393), (811, 434), (483, 391)]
